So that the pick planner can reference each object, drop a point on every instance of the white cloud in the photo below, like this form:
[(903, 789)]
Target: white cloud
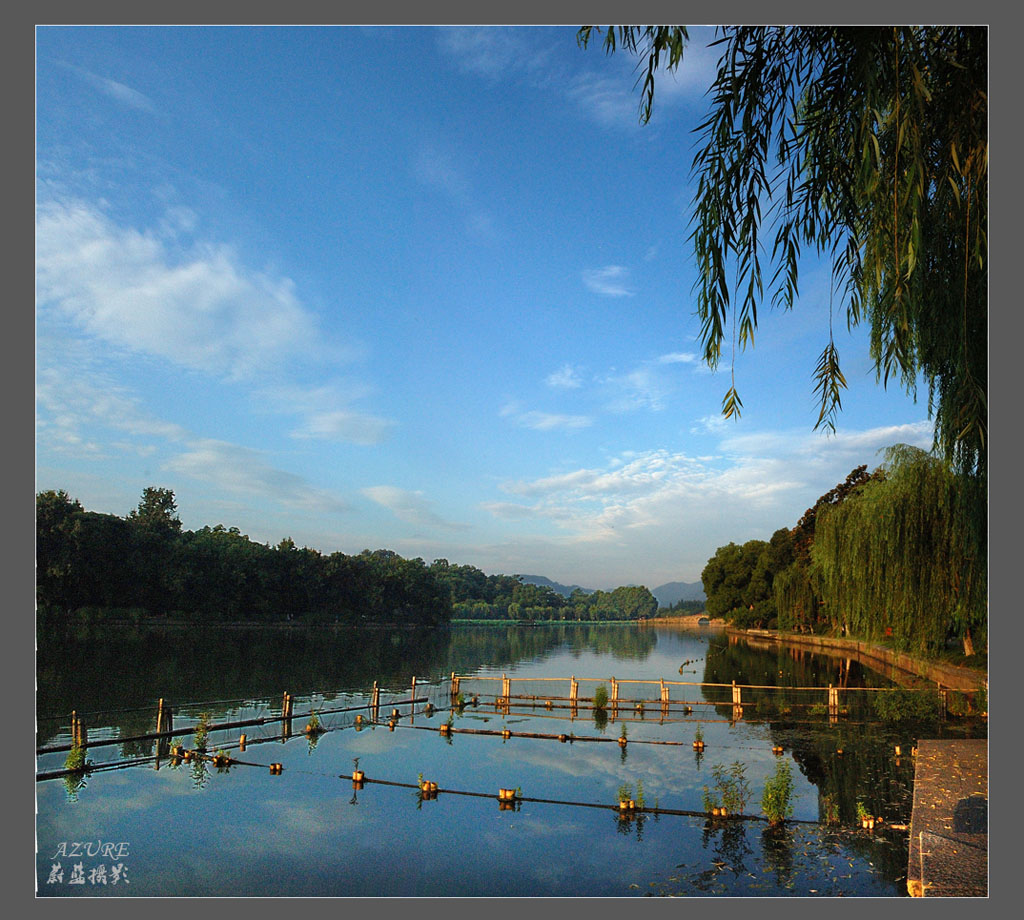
[(608, 99), (566, 377), (407, 506), (73, 399), (608, 281), (546, 421), (499, 54), (678, 358), (661, 504), (200, 309), (117, 91), (345, 425), (244, 471)]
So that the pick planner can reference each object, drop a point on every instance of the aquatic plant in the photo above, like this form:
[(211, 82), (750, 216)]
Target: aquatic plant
[(778, 790), (201, 733), (601, 697), (731, 784)]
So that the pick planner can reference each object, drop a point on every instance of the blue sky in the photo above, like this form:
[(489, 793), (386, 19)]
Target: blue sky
[(426, 289)]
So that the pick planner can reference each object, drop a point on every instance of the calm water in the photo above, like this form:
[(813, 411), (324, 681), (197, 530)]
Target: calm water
[(165, 829)]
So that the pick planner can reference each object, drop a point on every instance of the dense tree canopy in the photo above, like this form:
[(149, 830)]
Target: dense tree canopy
[(145, 563), (868, 146)]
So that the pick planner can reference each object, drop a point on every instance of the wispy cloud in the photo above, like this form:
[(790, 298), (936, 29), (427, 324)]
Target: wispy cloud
[(407, 506), (609, 281), (566, 377), (677, 358), (74, 399), (500, 53), (244, 471), (649, 385), (764, 480), (441, 168), (544, 421), (608, 99), (117, 91), (327, 413)]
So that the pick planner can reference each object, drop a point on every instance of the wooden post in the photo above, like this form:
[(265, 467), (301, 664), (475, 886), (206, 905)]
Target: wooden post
[(286, 716), (615, 690), (375, 703), (737, 695), (574, 689), (412, 696), (455, 687), (506, 688), (163, 724), (833, 702)]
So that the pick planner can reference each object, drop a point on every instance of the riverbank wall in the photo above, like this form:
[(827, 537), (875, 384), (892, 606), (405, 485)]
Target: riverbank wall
[(898, 666)]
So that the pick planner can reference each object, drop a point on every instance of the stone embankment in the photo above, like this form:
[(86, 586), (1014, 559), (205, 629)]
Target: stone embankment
[(896, 665)]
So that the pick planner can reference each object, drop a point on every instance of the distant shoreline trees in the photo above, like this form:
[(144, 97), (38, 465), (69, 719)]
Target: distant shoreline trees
[(96, 566)]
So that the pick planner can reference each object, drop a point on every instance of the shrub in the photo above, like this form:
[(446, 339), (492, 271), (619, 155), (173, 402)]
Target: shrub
[(601, 697), (778, 790), (907, 705)]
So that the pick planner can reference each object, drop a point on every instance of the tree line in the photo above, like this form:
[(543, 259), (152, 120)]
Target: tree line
[(90, 564), (898, 554), (476, 596)]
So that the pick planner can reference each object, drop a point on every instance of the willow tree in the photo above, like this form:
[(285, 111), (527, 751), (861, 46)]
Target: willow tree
[(866, 146), (900, 557)]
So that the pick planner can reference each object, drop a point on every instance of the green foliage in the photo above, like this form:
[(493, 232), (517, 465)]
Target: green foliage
[(865, 145), (778, 791), (201, 734), (731, 786), (698, 734), (907, 705), (902, 557), (76, 760), (601, 697), (829, 809), (738, 580)]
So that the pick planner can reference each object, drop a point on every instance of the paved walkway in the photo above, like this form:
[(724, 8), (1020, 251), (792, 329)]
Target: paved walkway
[(949, 823)]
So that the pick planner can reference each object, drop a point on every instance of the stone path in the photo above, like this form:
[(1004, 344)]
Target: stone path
[(949, 822)]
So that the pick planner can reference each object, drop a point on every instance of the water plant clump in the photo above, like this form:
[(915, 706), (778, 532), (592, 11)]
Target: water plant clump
[(778, 791), (731, 786), (75, 761), (600, 697), (201, 733)]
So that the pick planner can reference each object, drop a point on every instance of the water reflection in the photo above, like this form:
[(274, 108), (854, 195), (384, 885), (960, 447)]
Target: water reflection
[(838, 764)]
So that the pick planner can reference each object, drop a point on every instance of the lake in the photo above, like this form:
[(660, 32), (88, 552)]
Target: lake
[(139, 827)]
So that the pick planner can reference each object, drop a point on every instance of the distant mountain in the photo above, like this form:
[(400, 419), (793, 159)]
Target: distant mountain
[(541, 581), (676, 591)]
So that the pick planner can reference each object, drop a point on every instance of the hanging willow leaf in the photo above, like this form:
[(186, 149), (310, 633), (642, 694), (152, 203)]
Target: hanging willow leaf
[(828, 386), (841, 139), (731, 403)]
